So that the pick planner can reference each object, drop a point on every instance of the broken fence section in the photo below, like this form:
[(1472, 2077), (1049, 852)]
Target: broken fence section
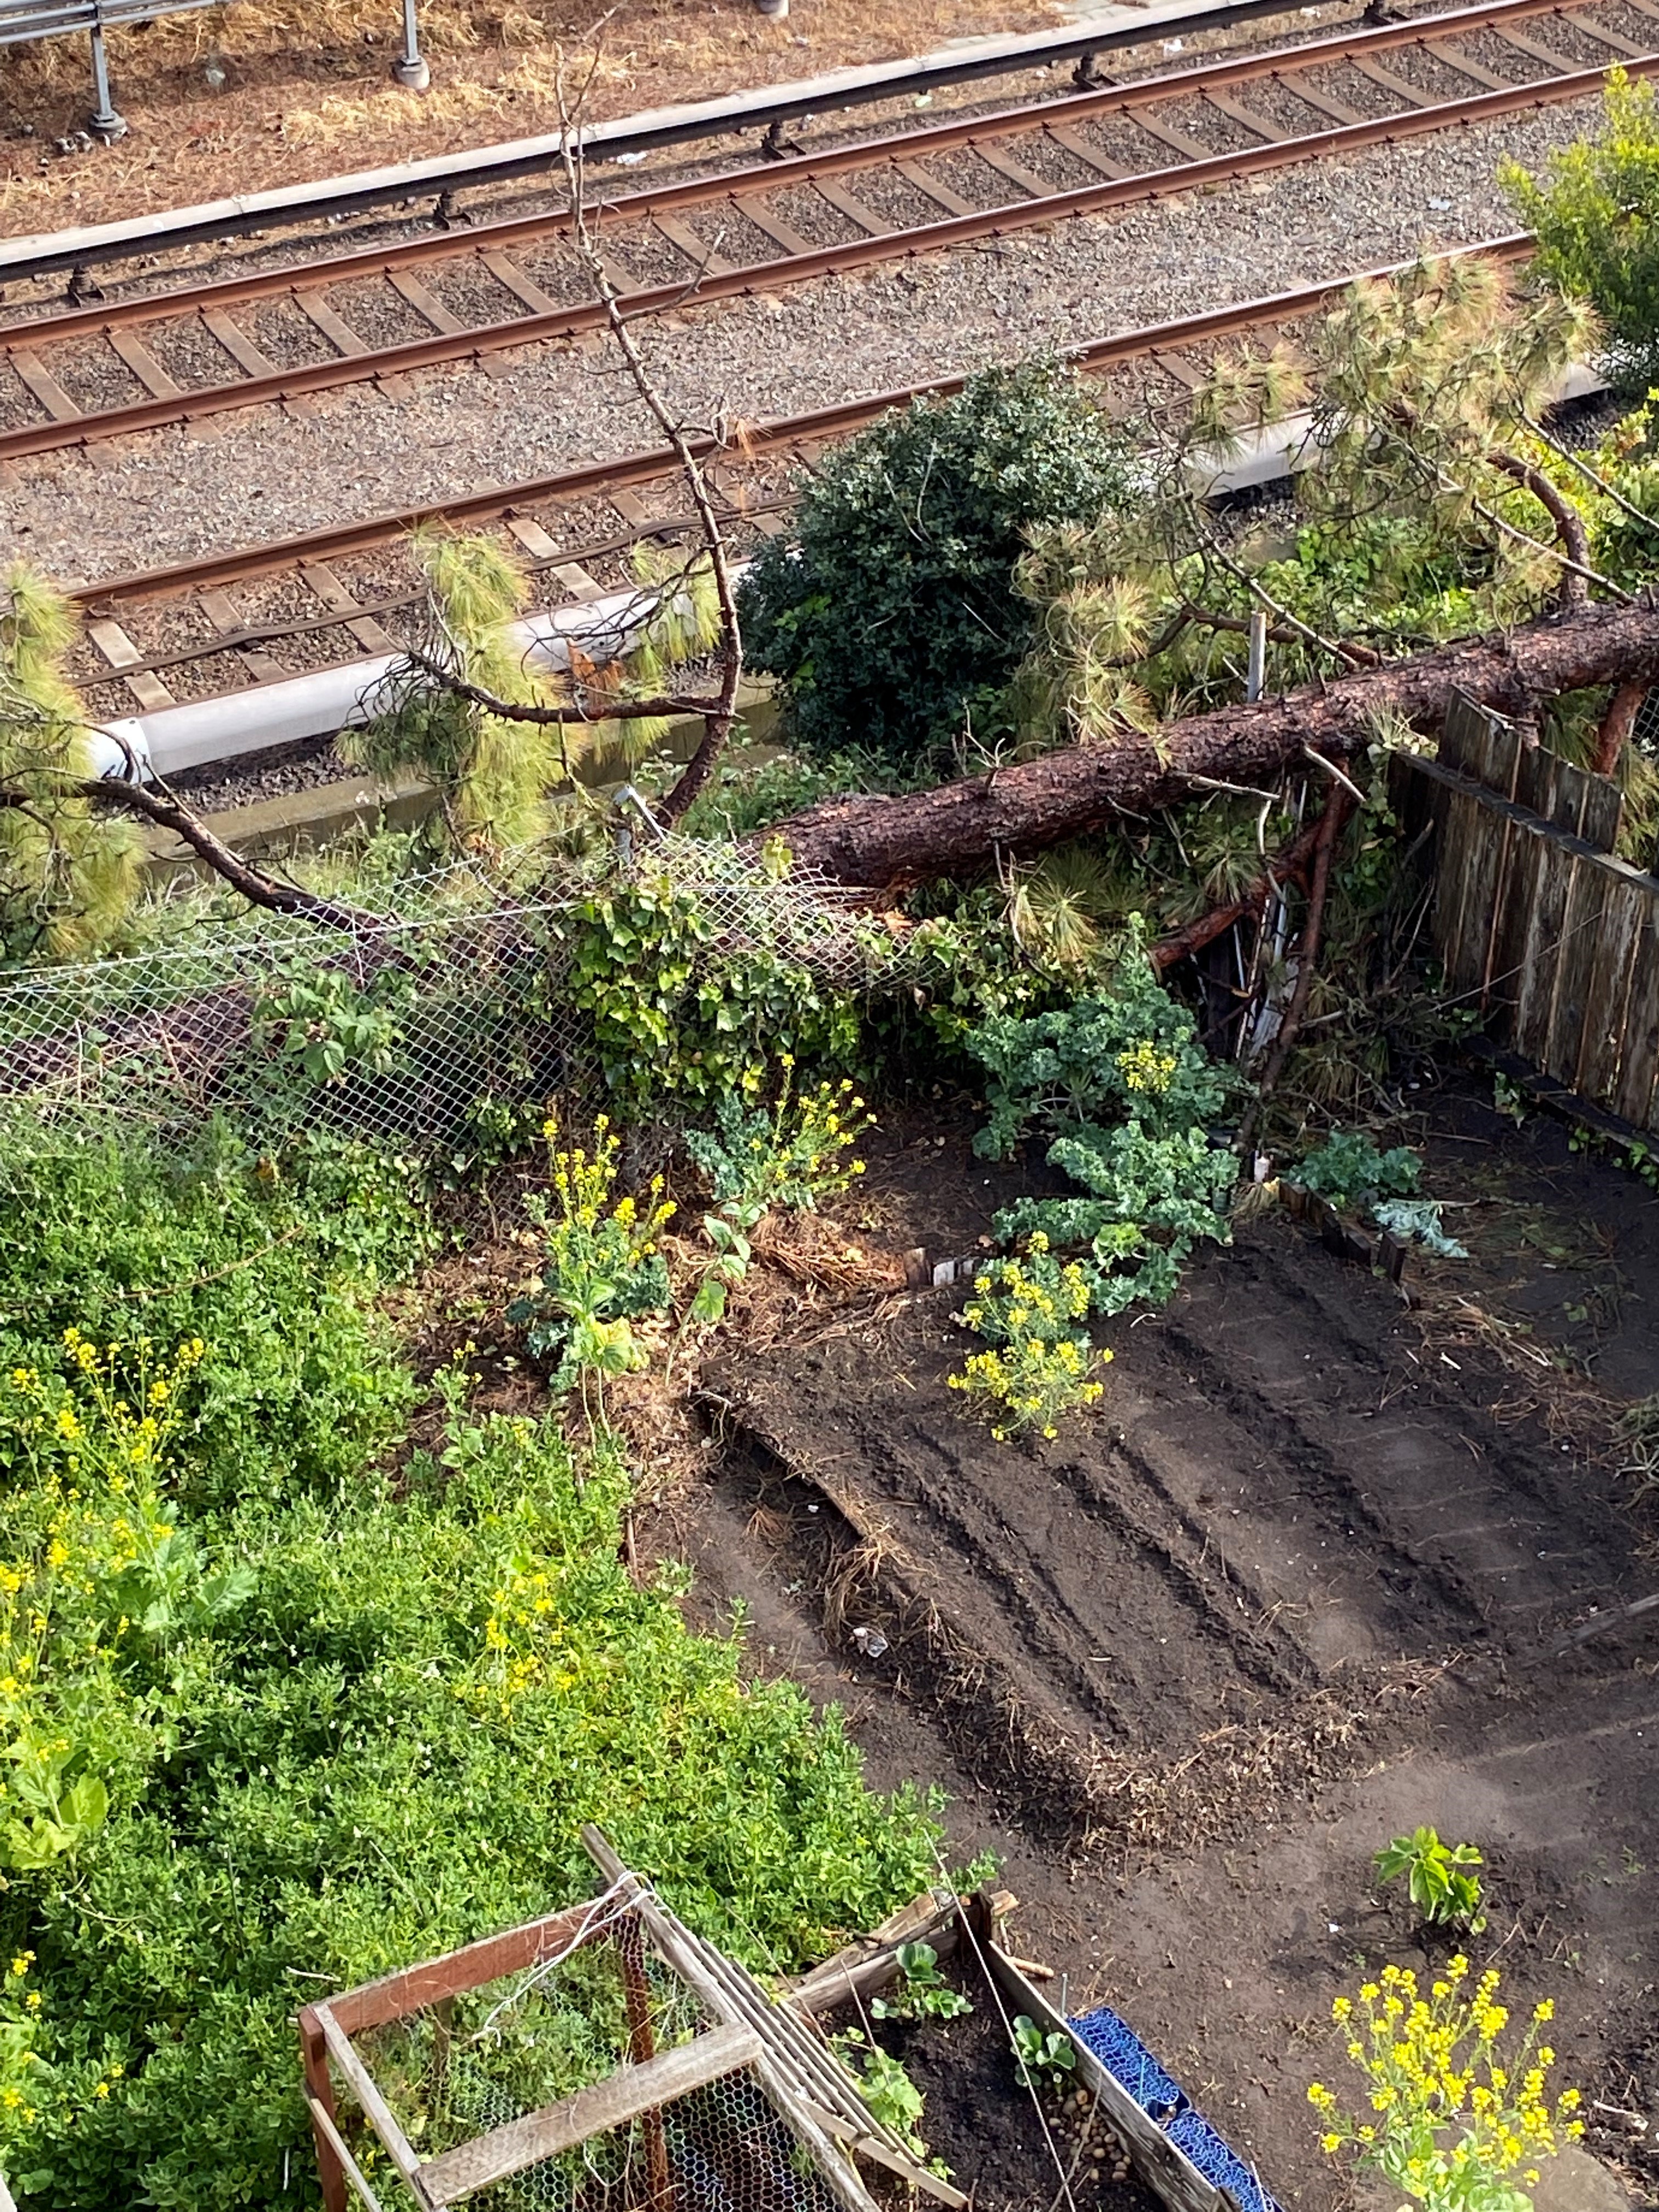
[(1541, 928)]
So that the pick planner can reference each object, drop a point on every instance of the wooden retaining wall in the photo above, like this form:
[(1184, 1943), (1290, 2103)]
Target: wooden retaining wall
[(1541, 928)]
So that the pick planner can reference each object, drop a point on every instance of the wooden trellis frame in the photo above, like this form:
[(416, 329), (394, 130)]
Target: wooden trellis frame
[(803, 2080)]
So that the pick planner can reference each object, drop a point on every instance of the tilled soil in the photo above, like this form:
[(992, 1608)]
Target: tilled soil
[(1297, 1584)]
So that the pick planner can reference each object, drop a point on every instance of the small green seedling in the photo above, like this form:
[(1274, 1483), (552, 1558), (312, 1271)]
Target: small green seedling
[(1445, 1895), (887, 2089), (922, 1992), (1047, 2058)]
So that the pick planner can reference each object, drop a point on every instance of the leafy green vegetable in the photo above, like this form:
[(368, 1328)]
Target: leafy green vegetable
[(1349, 1170)]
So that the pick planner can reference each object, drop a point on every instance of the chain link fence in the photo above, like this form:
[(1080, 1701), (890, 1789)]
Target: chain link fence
[(416, 1029)]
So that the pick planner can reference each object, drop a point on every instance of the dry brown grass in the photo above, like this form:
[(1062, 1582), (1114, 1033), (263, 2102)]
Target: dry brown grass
[(306, 94), (1144, 1805)]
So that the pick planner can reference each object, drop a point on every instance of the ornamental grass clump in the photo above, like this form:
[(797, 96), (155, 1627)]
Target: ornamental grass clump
[(1455, 2124), (1041, 1363)]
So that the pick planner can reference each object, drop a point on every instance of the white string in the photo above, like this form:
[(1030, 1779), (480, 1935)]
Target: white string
[(589, 1927), (964, 1924)]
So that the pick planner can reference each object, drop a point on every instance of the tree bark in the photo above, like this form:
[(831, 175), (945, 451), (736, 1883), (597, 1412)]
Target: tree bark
[(1617, 723), (886, 843)]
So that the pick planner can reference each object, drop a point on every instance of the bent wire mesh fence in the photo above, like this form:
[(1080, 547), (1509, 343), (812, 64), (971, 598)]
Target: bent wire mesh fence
[(413, 1030)]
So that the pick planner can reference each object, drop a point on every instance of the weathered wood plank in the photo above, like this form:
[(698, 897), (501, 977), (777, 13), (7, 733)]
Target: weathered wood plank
[(1167, 2170), (1602, 813), (1541, 954), (872, 1962), (1461, 834), (1489, 834), (1625, 901), (381, 2118), (328, 2133), (1535, 785), (611, 2104), (1637, 1099), (1527, 856), (413, 1987), (1581, 929)]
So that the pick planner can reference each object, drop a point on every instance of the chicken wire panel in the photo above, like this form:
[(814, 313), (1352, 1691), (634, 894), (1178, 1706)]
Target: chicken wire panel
[(403, 1032), (410, 1028), (723, 2148), (479, 2060)]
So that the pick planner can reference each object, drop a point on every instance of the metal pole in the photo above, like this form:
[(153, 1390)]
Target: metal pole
[(106, 123), (409, 69), (1257, 672)]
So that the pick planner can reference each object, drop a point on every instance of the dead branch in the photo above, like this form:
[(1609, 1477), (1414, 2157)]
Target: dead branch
[(718, 715), (1573, 590), (160, 807), (1286, 867), (620, 709), (1617, 723)]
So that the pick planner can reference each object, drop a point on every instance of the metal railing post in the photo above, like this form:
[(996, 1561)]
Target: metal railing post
[(107, 122), (409, 69)]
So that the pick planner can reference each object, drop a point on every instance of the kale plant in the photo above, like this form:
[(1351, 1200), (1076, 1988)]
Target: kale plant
[(1120, 1083)]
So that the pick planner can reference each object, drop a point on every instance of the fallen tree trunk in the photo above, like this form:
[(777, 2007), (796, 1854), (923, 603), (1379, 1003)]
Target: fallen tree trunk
[(889, 843)]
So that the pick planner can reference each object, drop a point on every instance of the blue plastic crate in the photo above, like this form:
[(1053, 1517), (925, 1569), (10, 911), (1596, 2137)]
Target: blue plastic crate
[(1127, 2058), (1217, 2162)]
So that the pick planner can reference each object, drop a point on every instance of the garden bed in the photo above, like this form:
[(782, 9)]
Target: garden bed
[(1297, 1585), (1010, 2148)]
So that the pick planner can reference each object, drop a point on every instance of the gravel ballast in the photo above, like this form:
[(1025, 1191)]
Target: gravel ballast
[(258, 475)]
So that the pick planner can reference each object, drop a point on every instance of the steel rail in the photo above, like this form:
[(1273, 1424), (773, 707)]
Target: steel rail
[(783, 433), (773, 174), (93, 246), (362, 364)]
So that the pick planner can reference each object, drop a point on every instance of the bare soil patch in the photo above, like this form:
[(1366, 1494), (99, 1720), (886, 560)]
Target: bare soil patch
[(1000, 2140), (1297, 1585)]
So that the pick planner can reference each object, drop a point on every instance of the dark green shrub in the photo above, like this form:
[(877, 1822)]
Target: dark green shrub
[(893, 616)]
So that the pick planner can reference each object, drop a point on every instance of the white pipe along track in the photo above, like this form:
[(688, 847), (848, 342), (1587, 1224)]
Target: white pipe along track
[(293, 709), (296, 707)]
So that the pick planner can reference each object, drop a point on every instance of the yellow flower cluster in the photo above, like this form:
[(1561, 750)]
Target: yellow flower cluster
[(1451, 2116), (1143, 1067), (582, 1185), (1045, 1367)]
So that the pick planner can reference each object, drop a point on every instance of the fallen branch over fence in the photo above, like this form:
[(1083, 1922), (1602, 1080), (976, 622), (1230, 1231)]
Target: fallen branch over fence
[(887, 842)]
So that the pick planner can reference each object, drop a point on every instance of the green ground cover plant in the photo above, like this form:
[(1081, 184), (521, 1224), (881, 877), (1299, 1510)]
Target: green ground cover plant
[(330, 1708)]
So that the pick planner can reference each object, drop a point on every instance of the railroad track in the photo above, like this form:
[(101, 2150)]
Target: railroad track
[(98, 372), (203, 629)]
